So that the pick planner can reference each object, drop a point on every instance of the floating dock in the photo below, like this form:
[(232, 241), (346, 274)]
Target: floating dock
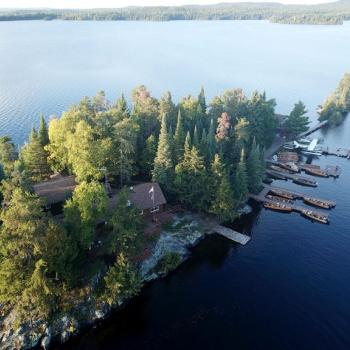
[(338, 152), (301, 180), (231, 234), (261, 198)]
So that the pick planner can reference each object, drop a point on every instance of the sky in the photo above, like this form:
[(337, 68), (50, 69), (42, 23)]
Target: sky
[(123, 3)]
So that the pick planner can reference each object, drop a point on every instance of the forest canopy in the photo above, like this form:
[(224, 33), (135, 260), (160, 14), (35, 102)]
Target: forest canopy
[(329, 13)]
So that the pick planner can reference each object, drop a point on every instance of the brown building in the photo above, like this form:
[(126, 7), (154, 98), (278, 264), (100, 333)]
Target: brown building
[(148, 197)]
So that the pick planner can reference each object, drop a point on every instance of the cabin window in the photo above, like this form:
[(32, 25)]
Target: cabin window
[(155, 209)]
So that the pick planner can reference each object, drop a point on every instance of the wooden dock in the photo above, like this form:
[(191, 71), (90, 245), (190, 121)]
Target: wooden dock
[(338, 152), (231, 234), (294, 177), (313, 129)]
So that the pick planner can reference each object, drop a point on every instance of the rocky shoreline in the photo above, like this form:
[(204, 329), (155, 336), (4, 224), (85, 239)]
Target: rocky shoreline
[(184, 233)]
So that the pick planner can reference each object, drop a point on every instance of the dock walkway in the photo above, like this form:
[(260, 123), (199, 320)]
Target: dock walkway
[(294, 177), (231, 234)]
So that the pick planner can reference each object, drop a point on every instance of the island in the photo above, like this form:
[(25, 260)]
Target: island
[(110, 195)]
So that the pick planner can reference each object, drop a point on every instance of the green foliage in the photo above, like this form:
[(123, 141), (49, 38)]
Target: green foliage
[(127, 227), (169, 262), (163, 167), (297, 122), (337, 105), (241, 180), (179, 138), (121, 281), (8, 155), (328, 13), (148, 156), (34, 159), (255, 168), (89, 203), (191, 179), (43, 132)]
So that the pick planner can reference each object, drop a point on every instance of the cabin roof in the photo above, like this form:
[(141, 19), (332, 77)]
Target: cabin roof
[(56, 190), (141, 197)]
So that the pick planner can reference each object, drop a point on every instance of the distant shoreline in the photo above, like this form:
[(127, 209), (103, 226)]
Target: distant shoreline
[(333, 13)]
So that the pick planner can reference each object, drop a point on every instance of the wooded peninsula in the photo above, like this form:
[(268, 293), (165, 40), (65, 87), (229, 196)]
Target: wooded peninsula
[(77, 196), (329, 13)]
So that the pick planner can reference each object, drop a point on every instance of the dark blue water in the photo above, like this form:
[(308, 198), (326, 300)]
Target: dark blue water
[(289, 287)]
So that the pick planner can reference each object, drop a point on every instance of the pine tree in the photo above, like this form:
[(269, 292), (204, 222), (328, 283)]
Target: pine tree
[(201, 100), (148, 156), (211, 141), (8, 155), (297, 122), (163, 166), (191, 180), (224, 203), (179, 138), (43, 132), (254, 168), (203, 146), (34, 158), (195, 137), (241, 180)]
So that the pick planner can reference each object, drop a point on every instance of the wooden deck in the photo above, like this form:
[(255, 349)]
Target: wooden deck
[(294, 177), (231, 234)]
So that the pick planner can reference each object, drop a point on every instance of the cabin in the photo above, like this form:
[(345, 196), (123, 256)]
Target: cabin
[(148, 197), (55, 191)]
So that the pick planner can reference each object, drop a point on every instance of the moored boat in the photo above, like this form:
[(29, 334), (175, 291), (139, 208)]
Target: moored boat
[(305, 182), (278, 206), (316, 172), (318, 203), (314, 216), (279, 199), (283, 194)]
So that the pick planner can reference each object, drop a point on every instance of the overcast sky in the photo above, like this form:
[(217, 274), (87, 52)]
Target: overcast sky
[(123, 3)]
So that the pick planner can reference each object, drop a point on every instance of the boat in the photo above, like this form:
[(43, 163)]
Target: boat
[(318, 203), (314, 216), (292, 167), (316, 172), (275, 175), (280, 168), (305, 182), (278, 206), (279, 199), (283, 194)]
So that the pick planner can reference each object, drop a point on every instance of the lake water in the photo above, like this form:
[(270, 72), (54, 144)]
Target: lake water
[(47, 66), (289, 287)]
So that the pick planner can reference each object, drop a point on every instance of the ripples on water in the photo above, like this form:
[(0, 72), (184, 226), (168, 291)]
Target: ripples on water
[(289, 287), (46, 66)]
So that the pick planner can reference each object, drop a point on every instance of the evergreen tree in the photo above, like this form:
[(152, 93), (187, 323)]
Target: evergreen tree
[(148, 156), (8, 155), (255, 169), (297, 121), (224, 203), (211, 141), (43, 132), (191, 181), (121, 281), (203, 146), (241, 180), (34, 158), (163, 166), (179, 138), (167, 107), (202, 101), (195, 137)]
